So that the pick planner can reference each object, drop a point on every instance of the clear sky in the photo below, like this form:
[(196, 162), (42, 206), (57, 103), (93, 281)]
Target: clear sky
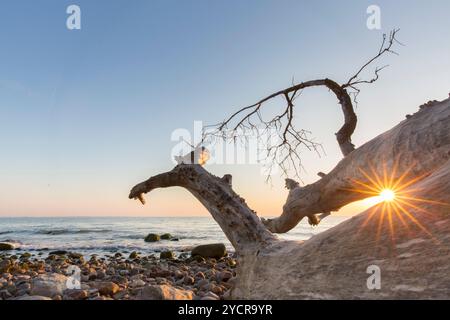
[(85, 114)]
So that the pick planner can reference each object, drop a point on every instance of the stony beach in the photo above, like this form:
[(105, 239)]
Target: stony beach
[(205, 273)]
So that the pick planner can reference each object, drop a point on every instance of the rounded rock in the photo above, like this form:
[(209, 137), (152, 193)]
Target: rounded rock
[(166, 236), (167, 255), (6, 246), (152, 237), (215, 250)]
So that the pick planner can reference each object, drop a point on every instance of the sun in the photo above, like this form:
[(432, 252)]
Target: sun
[(387, 195), (392, 196)]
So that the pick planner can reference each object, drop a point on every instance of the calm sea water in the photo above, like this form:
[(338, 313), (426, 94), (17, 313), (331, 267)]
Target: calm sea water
[(107, 235)]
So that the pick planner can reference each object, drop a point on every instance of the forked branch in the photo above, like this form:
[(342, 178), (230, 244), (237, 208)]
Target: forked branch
[(286, 151)]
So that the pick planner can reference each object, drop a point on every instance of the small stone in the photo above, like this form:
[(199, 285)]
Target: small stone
[(210, 273), (75, 294), (231, 263), (152, 237), (166, 236), (107, 288), (133, 255), (210, 296), (163, 292), (134, 272), (217, 290), (101, 274), (167, 255), (189, 280), (202, 284), (137, 283), (225, 276), (178, 274), (200, 275)]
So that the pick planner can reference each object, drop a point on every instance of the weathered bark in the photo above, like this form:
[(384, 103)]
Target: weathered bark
[(411, 248)]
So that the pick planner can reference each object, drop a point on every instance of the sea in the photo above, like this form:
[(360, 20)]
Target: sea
[(109, 235)]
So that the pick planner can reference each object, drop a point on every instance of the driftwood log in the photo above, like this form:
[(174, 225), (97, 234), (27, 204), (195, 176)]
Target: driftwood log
[(410, 246)]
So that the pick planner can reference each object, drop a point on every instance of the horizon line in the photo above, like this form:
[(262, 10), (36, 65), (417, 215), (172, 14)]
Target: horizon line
[(168, 216)]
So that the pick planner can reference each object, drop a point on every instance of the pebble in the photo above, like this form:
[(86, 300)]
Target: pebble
[(202, 283), (210, 296), (107, 288), (179, 274), (75, 294), (133, 255), (101, 274), (216, 289), (225, 276), (189, 280), (137, 283)]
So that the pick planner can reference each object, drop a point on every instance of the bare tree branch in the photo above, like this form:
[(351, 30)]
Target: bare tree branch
[(386, 47), (286, 153)]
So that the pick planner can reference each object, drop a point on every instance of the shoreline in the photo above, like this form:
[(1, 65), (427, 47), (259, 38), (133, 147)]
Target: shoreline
[(72, 276)]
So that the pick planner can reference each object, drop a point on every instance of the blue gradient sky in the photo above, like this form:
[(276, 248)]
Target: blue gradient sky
[(86, 114)]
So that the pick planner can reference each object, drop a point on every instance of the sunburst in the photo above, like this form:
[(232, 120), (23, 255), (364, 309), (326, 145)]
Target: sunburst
[(393, 197)]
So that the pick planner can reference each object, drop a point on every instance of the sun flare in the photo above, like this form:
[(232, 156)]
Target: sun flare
[(392, 196), (387, 195)]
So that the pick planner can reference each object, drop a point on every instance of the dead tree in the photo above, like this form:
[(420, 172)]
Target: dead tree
[(409, 240), (411, 248)]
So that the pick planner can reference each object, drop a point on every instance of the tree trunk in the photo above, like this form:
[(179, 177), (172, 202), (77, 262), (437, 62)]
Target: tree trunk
[(410, 246)]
